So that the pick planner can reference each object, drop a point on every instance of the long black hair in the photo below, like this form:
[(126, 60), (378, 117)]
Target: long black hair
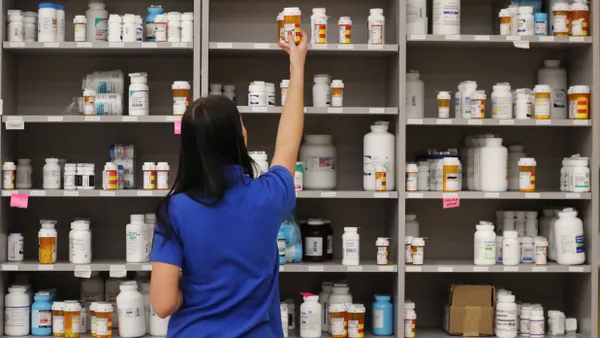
[(211, 140)]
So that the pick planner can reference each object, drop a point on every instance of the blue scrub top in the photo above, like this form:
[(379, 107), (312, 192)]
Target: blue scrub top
[(229, 258)]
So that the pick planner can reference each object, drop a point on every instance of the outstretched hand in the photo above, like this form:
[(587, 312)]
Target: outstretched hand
[(297, 51)]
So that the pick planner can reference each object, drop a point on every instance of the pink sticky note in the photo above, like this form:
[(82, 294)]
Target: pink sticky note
[(19, 200), (177, 127), (451, 202)]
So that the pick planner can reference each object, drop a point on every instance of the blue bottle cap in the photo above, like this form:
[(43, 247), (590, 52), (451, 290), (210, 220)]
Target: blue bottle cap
[(15, 231), (540, 16), (46, 5), (384, 298), (60, 7)]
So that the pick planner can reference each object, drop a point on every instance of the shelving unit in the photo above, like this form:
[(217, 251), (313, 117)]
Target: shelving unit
[(234, 44)]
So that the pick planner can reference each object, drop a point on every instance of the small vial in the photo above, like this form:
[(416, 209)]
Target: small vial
[(542, 102), (284, 89), (383, 250), (149, 169), (541, 251), (345, 30), (527, 250), (541, 24), (376, 27), (337, 93), (69, 182), (162, 176), (412, 171), (527, 174), (80, 24), (443, 99), (9, 170), (408, 257), (505, 22), (291, 23), (299, 176), (161, 23), (418, 251), (89, 102), (109, 176)]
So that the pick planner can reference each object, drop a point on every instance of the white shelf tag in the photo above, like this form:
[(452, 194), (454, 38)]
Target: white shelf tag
[(546, 39), (414, 121), (381, 195), (71, 193), (506, 122), (328, 194), (511, 269), (345, 46), (480, 269), (576, 39), (543, 122), (172, 118), (144, 193), (443, 121), (452, 37), (387, 268), (576, 269), (475, 122), (376, 110), (445, 269), (178, 44), (335, 110), (418, 37), (55, 118), (117, 271), (13, 124), (413, 269), (92, 119), (105, 193), (37, 193), (10, 267), (130, 119), (539, 269), (83, 271), (51, 44), (316, 268), (449, 194), (281, 268), (149, 45), (16, 44), (45, 267), (259, 109), (224, 45), (414, 195), (532, 195), (581, 122), (146, 267), (84, 45), (357, 268), (261, 46), (374, 46), (319, 46), (491, 195), (573, 195), (9, 192), (116, 45), (513, 38), (482, 38)]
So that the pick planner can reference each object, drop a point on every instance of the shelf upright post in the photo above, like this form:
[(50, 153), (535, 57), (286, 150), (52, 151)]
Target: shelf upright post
[(198, 48), (205, 45)]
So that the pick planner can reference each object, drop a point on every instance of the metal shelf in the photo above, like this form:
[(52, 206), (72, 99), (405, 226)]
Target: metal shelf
[(499, 40), (89, 119), (511, 195), (98, 48), (496, 122), (336, 266), (325, 110), (466, 265), (100, 265), (332, 48), (296, 334), (440, 333)]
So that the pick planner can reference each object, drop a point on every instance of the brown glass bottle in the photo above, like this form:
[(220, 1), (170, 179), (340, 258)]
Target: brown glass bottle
[(315, 241)]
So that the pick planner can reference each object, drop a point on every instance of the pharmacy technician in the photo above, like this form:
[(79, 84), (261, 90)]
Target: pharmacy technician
[(215, 262)]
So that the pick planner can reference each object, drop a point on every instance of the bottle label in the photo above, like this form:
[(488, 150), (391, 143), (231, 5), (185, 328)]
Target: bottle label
[(329, 244), (486, 250), (409, 328), (582, 180), (356, 329), (313, 246), (103, 327), (506, 320), (138, 102), (378, 319), (58, 324), (376, 34), (561, 24), (579, 244), (281, 247), (320, 164), (351, 249), (310, 321), (41, 319), (338, 327)]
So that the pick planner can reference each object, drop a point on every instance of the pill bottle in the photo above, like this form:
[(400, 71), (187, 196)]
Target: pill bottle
[(324, 295), (571, 326), (505, 22), (139, 28), (257, 95), (321, 91), (81, 243), (284, 89), (526, 21), (579, 102), (60, 23), (284, 320), (541, 251), (162, 176), (280, 30), (383, 250), (109, 176), (270, 91), (315, 241), (72, 311), (129, 28), (15, 246), (229, 92), (451, 174), (187, 27), (523, 106), (499, 240), (9, 170), (310, 312), (217, 89), (580, 16), (88, 177), (58, 319), (138, 94), (527, 174), (356, 321), (506, 316), (47, 239), (410, 320), (41, 315), (69, 176), (502, 107), (418, 251), (181, 97), (542, 102), (383, 320), (510, 248), (47, 19), (423, 176), (536, 323), (527, 249), (561, 12), (97, 21), (318, 26), (115, 28), (30, 20), (291, 22), (408, 257), (345, 30), (16, 32), (291, 314), (89, 102), (412, 171), (485, 244), (580, 175), (174, 27), (130, 298), (136, 240), (351, 246), (443, 101), (338, 323), (299, 176), (319, 157), (376, 22), (161, 28), (541, 24), (16, 311), (337, 93), (446, 17), (153, 11), (469, 89), (478, 104), (80, 24), (103, 313)]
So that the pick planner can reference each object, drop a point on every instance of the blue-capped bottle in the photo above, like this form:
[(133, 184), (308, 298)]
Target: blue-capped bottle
[(383, 320), (41, 315), (153, 11), (281, 245)]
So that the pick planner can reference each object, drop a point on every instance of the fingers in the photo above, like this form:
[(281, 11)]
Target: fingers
[(303, 38), (292, 40)]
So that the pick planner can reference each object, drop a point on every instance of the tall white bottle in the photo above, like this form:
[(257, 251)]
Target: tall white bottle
[(555, 77), (416, 17), (515, 152), (415, 96), (378, 151), (569, 238), (494, 159)]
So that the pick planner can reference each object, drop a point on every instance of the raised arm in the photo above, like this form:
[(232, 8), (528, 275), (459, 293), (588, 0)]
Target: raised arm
[(291, 123)]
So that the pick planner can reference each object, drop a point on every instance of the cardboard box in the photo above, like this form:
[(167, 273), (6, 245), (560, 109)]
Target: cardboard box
[(470, 310)]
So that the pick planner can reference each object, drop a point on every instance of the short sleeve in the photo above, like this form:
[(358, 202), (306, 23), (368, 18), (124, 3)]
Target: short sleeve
[(280, 188), (166, 250)]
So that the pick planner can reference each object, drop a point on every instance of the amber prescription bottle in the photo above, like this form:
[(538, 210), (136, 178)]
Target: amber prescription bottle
[(104, 312), (383, 250), (356, 321), (280, 30), (450, 178), (579, 102), (72, 319), (527, 174), (580, 18), (58, 319), (562, 19), (338, 320), (93, 318), (443, 99), (337, 93), (345, 27), (408, 258), (291, 22), (181, 97), (542, 102)]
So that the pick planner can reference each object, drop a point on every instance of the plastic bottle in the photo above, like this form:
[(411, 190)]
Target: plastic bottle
[(506, 316), (284, 88), (569, 237), (30, 20), (485, 244), (187, 27), (257, 94), (139, 28), (337, 93), (320, 162), (51, 174), (8, 175), (556, 78), (291, 23), (310, 317), (97, 21), (129, 28), (80, 28), (81, 237), (339, 295), (58, 319), (580, 175), (510, 248), (541, 24), (580, 18), (326, 289), (446, 17), (351, 246), (416, 17), (318, 26), (46, 22), (410, 320), (138, 94), (130, 304), (561, 18), (515, 152), (105, 319), (60, 23), (174, 27), (383, 316), (378, 149), (526, 21), (502, 105), (345, 30), (41, 315), (376, 22), (161, 30), (527, 249), (229, 92), (505, 22), (494, 159), (524, 319), (536, 323), (16, 31), (48, 242), (136, 240), (469, 89), (15, 246), (153, 11), (412, 174), (321, 91), (16, 312), (415, 96), (270, 92)]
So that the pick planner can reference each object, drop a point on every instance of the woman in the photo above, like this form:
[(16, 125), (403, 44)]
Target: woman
[(215, 261)]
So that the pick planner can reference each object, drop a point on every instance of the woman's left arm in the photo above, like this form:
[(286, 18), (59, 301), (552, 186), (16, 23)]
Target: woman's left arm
[(165, 293)]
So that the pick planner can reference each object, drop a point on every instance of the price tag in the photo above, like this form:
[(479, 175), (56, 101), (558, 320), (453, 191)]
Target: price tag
[(418, 37), (19, 201), (281, 268), (445, 269), (92, 119), (506, 122), (177, 127), (381, 195), (178, 44), (335, 110), (16, 44), (259, 109), (316, 268), (146, 267), (482, 38), (83, 271), (15, 124), (116, 45), (513, 38), (10, 267), (539, 269), (45, 267), (573, 195), (546, 39), (224, 45), (475, 122), (387, 268), (319, 46), (104, 193), (576, 39), (414, 121), (581, 122), (532, 195), (491, 195), (480, 269), (130, 119), (144, 193), (511, 269), (84, 45), (443, 121), (452, 37), (374, 46), (450, 202), (149, 45), (328, 194), (356, 268), (55, 118), (51, 44), (543, 122), (413, 269), (172, 118), (261, 46), (576, 269), (117, 271), (376, 110), (345, 46), (71, 193), (6, 193), (38, 193), (414, 195)]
